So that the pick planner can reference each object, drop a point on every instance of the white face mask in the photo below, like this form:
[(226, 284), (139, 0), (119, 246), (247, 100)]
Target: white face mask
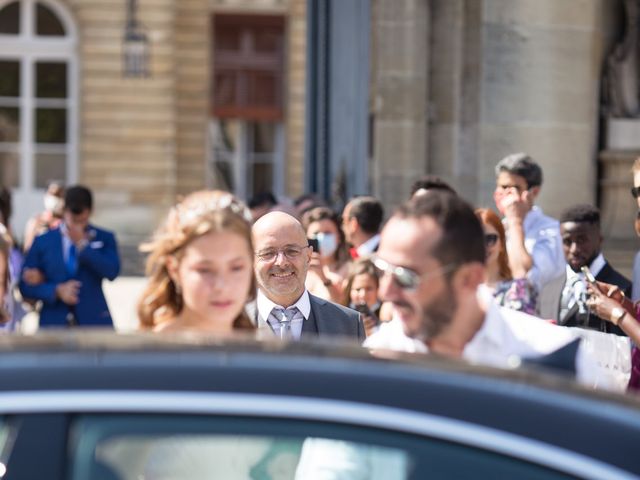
[(52, 203), (327, 244)]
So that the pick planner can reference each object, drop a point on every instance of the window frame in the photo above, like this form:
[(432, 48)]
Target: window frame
[(246, 63), (243, 159), (324, 410), (32, 49)]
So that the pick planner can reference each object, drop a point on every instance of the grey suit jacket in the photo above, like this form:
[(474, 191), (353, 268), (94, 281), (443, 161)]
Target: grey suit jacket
[(326, 319)]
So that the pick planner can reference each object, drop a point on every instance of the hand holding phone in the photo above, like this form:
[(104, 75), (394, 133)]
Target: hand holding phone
[(363, 308), (313, 243), (588, 275)]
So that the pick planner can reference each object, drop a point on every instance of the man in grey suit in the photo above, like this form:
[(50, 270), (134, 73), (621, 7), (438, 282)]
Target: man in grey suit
[(284, 307)]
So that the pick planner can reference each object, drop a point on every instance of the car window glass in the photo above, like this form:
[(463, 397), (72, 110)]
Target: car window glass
[(193, 447), (8, 431)]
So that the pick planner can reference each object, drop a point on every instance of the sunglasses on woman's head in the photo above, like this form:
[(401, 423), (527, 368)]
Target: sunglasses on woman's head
[(490, 239), (635, 192)]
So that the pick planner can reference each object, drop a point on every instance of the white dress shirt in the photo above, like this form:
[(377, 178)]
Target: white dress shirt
[(368, 247), (544, 244), (265, 306), (506, 336), (575, 286)]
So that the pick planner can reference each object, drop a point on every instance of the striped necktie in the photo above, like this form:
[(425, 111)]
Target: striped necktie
[(283, 318)]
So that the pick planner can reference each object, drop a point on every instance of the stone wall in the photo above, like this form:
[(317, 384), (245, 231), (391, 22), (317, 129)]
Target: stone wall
[(192, 77), (295, 109), (400, 56), (454, 94), (517, 75), (142, 142), (127, 126), (541, 68)]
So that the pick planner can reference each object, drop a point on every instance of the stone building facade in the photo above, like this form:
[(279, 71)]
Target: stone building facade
[(139, 143), (459, 84), (454, 85)]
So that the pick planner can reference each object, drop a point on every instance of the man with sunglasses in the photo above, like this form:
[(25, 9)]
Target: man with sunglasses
[(284, 308), (582, 245), (65, 267), (431, 259), (533, 238)]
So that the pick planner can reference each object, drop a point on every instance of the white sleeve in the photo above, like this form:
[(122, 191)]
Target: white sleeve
[(548, 258)]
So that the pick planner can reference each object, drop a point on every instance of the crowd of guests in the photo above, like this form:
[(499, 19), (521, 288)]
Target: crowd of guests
[(438, 276)]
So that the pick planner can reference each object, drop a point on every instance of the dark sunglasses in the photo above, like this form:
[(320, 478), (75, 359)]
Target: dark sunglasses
[(490, 239), (635, 192)]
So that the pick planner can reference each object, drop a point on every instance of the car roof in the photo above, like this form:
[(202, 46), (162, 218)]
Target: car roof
[(99, 348), (94, 371)]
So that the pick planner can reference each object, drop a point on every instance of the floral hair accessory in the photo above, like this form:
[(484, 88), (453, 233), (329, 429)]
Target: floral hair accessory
[(187, 214)]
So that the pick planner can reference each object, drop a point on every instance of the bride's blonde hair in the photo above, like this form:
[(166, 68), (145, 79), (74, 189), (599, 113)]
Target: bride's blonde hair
[(198, 214)]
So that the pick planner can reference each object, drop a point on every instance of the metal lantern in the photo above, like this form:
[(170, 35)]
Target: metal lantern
[(135, 47)]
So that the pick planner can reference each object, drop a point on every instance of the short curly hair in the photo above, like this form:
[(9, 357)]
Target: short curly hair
[(583, 213)]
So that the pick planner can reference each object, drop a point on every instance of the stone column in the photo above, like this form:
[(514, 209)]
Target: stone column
[(541, 64), (454, 93), (399, 82)]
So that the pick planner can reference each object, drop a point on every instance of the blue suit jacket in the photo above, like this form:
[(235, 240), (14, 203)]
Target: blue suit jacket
[(98, 260)]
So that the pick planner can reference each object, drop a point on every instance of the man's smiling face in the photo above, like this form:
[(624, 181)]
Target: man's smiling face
[(281, 276)]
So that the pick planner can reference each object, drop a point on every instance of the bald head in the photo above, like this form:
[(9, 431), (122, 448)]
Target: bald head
[(282, 257), (273, 223)]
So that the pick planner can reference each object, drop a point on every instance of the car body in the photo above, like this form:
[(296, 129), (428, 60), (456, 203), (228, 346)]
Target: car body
[(96, 405)]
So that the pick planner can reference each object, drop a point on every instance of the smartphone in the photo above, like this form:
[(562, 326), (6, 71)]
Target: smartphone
[(313, 243), (363, 308), (588, 275), (365, 311)]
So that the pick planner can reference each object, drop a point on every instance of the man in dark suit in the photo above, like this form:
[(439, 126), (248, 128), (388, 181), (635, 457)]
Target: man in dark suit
[(582, 243), (65, 267), (284, 307)]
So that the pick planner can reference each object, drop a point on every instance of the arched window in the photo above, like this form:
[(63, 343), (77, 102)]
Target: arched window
[(38, 94)]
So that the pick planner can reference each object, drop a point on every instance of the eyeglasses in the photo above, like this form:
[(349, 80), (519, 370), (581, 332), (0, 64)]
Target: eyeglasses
[(291, 252), (406, 278), (490, 239), (505, 188), (635, 192)]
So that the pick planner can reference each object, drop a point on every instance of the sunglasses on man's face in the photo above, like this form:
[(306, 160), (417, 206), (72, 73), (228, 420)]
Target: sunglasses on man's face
[(635, 192), (490, 239), (406, 278)]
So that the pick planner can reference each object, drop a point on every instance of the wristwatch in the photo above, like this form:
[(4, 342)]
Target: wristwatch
[(617, 314)]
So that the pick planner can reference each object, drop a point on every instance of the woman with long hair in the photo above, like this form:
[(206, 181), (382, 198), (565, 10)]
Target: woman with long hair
[(516, 293), (330, 260), (200, 267)]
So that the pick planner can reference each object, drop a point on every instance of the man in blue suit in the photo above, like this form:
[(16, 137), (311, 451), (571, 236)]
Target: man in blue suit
[(65, 267)]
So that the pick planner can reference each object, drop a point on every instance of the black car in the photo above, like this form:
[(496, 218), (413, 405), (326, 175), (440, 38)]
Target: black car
[(104, 406)]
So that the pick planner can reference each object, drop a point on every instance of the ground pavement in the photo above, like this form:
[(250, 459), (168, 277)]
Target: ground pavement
[(122, 296)]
